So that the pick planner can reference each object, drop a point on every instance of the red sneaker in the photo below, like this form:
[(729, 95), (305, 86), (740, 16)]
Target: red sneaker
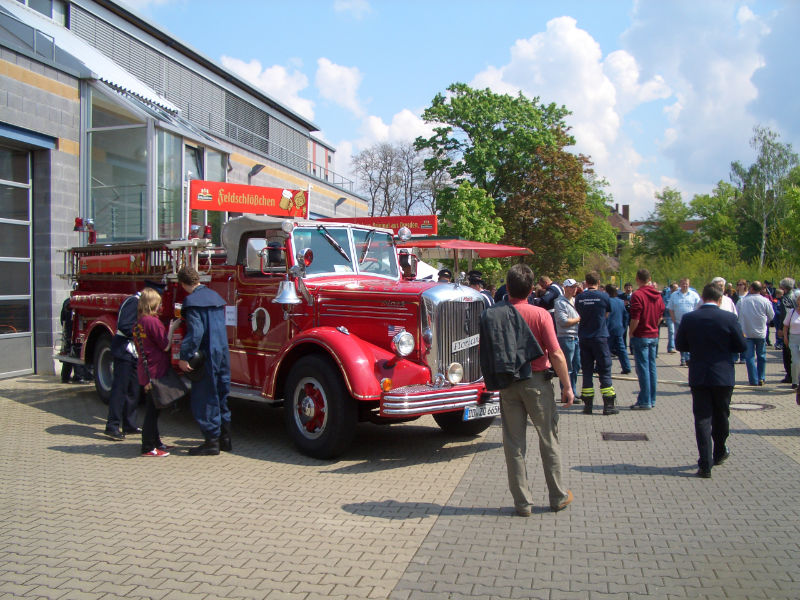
[(156, 452)]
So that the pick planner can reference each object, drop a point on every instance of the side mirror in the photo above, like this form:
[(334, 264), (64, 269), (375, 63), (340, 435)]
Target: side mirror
[(305, 257)]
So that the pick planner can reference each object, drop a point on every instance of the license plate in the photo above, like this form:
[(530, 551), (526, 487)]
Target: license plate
[(469, 342), (490, 409)]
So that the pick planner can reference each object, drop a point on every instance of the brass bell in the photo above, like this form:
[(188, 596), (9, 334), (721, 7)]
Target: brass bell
[(286, 294)]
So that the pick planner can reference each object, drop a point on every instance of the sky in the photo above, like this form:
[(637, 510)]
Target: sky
[(662, 93)]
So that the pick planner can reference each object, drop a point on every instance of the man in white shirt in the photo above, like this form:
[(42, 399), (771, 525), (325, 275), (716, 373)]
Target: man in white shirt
[(755, 311), (682, 301)]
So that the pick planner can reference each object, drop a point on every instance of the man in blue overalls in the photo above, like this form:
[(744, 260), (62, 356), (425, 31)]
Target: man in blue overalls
[(203, 311)]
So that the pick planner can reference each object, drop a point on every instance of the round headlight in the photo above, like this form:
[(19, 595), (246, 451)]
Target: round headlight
[(455, 373), (403, 343)]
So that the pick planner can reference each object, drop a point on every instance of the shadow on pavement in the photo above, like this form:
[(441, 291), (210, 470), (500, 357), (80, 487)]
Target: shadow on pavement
[(393, 510), (630, 469)]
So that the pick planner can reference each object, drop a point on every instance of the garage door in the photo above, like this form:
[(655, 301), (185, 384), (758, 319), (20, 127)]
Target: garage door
[(16, 331)]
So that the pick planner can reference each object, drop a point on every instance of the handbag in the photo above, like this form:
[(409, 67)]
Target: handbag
[(166, 390)]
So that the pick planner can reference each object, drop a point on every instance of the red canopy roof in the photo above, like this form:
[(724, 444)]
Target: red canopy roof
[(463, 248)]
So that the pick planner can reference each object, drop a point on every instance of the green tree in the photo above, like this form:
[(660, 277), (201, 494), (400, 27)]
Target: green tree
[(717, 213), (468, 212), (761, 185), (548, 210), (664, 235), (489, 138)]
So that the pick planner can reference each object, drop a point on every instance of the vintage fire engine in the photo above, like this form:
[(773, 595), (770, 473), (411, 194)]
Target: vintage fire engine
[(320, 318)]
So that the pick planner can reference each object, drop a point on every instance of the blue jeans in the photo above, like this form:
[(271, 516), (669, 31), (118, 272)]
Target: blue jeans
[(616, 345), (644, 353), (569, 346), (756, 350), (670, 334)]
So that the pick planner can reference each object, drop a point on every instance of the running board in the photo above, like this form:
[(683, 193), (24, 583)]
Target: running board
[(248, 393)]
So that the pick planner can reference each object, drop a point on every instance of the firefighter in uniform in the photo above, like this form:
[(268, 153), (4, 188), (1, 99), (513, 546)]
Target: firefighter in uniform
[(203, 311)]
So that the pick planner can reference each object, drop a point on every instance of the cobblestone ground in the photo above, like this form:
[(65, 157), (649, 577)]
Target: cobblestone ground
[(406, 513)]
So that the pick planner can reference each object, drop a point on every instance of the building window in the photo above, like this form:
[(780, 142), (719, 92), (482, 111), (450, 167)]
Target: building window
[(168, 194), (117, 141), (52, 9)]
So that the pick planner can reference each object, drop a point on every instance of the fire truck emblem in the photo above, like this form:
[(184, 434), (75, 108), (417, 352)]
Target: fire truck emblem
[(259, 321), (204, 195)]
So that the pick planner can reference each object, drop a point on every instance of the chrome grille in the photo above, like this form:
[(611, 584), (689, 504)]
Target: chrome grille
[(457, 320)]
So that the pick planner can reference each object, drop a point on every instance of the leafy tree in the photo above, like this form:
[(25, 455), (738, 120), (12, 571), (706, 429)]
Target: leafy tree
[(761, 185), (548, 210), (468, 212), (597, 239), (489, 138), (664, 234), (717, 213)]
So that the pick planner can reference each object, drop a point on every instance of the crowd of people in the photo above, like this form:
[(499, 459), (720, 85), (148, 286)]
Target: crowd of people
[(589, 323)]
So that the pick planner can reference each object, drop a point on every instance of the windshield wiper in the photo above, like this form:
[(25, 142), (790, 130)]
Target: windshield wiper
[(332, 242), (367, 243)]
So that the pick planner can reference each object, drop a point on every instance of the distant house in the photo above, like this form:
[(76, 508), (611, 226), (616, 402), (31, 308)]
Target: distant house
[(624, 229), (690, 226)]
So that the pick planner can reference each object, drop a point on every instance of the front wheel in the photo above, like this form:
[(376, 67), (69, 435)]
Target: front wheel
[(320, 414), (453, 424), (103, 368)]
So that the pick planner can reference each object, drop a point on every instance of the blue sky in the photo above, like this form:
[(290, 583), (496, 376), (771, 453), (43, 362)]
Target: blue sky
[(662, 93)]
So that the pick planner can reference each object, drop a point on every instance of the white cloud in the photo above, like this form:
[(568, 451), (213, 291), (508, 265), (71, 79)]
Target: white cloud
[(277, 81), (339, 85), (357, 8), (565, 65), (708, 52)]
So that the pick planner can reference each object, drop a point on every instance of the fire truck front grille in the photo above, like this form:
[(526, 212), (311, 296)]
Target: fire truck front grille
[(457, 324)]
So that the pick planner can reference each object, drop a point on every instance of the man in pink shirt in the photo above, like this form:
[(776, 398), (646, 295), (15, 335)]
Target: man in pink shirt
[(534, 397), (647, 309)]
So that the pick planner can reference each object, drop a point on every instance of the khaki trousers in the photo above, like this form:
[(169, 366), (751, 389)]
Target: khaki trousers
[(532, 397)]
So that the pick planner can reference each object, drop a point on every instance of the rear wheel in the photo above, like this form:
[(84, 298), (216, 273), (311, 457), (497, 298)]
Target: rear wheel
[(320, 414), (453, 424), (103, 368)]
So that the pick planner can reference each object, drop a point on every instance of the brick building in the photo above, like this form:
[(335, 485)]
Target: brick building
[(104, 116)]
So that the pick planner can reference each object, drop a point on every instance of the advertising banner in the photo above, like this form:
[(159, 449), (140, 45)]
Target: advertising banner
[(418, 224), (249, 199)]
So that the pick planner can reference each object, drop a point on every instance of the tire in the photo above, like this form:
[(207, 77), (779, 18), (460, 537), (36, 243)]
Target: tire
[(452, 424), (320, 414), (103, 368)]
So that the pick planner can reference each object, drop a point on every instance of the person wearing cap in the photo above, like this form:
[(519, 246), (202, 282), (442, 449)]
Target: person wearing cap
[(204, 312), (475, 280), (445, 276), (567, 320)]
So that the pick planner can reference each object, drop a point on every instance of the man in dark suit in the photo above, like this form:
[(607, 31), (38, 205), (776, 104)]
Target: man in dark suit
[(711, 335)]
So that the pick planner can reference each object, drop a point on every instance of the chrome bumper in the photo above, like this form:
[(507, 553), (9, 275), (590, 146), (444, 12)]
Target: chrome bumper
[(415, 400)]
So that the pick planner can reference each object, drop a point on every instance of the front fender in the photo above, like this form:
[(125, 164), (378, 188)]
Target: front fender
[(361, 364)]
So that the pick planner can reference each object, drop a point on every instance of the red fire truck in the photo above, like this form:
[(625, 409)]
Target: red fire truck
[(320, 318)]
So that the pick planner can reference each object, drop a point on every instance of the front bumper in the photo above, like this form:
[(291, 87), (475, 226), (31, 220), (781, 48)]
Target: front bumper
[(416, 400)]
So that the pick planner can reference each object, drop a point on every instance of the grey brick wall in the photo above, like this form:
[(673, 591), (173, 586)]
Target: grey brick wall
[(24, 103)]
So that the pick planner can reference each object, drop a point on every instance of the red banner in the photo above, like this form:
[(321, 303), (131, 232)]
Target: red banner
[(418, 224), (251, 199)]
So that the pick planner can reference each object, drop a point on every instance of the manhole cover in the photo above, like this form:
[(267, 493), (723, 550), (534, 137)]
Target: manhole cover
[(609, 436), (750, 406)]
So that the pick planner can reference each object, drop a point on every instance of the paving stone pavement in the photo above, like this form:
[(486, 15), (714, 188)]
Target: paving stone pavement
[(406, 513)]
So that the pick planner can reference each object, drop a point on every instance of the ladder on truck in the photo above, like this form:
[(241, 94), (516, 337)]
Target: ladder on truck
[(155, 259)]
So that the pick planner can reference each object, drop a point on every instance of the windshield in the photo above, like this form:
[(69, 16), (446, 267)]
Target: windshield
[(375, 253), (331, 249)]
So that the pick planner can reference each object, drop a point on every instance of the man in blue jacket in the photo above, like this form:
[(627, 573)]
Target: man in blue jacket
[(204, 312), (710, 335)]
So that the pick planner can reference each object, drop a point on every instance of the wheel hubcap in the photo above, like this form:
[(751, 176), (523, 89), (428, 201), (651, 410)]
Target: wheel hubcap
[(311, 409)]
